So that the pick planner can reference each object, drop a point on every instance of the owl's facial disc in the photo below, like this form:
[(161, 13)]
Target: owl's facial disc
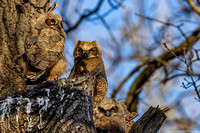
[(86, 53), (83, 53), (108, 112), (89, 50)]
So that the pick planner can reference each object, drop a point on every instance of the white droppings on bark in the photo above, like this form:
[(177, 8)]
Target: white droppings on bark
[(72, 94), (62, 95), (47, 90), (5, 107), (40, 101), (28, 108)]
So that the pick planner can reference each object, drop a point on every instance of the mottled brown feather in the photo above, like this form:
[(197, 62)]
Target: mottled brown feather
[(84, 65), (45, 46)]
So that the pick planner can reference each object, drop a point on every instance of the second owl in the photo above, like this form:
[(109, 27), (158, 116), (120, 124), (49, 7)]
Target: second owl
[(87, 55)]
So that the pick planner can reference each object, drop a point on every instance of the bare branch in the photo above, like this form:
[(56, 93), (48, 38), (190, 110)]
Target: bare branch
[(118, 88), (189, 71), (154, 65), (109, 11), (165, 23), (85, 16), (194, 6), (175, 76), (108, 29)]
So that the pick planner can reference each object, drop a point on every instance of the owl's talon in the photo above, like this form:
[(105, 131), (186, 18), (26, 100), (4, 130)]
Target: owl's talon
[(52, 78)]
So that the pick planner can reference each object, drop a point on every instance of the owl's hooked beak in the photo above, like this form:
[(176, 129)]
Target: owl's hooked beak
[(85, 54), (108, 113)]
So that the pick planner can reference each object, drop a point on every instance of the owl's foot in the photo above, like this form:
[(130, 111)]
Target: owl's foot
[(52, 78), (31, 75), (19, 87)]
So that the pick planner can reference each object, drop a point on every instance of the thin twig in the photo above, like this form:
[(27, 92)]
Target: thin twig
[(85, 16), (117, 89), (109, 11), (188, 62), (165, 23)]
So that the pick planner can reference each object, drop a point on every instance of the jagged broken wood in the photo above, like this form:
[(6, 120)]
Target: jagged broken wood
[(150, 122)]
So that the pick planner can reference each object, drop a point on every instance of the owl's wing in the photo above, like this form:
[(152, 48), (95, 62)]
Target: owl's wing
[(42, 58), (32, 50), (101, 87), (39, 59)]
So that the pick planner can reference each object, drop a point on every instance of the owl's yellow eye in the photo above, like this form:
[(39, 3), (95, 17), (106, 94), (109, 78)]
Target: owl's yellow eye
[(50, 22), (93, 50), (114, 109)]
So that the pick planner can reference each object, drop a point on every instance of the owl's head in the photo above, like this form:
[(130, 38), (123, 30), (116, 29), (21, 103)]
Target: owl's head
[(109, 108), (50, 20), (87, 50)]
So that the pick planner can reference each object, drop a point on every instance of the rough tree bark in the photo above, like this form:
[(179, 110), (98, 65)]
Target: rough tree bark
[(61, 106), (16, 19), (65, 105), (150, 122)]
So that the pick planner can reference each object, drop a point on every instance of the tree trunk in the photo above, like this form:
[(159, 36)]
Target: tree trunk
[(16, 19), (61, 106)]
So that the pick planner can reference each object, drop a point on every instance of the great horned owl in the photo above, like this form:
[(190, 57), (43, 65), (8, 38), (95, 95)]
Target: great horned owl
[(87, 56), (44, 47), (109, 117)]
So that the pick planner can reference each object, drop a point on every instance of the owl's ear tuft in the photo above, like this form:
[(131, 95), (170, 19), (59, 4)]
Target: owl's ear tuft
[(75, 49), (114, 100), (52, 8)]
